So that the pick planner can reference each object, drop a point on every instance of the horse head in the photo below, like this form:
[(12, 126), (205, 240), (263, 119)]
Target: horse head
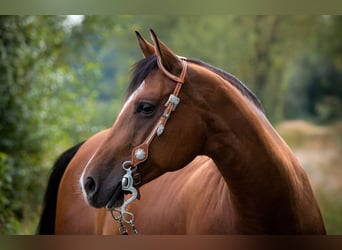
[(158, 129)]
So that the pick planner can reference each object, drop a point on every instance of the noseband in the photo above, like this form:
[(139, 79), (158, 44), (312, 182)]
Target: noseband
[(140, 153)]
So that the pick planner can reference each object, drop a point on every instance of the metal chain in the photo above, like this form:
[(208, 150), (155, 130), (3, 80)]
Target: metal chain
[(122, 227), (135, 231)]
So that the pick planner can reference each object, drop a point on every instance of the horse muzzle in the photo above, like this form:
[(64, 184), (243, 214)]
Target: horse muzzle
[(99, 197)]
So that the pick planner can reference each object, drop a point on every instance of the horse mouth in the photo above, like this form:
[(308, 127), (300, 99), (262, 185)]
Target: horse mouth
[(116, 199)]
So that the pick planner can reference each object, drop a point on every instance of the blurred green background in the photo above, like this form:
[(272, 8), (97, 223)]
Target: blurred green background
[(63, 78)]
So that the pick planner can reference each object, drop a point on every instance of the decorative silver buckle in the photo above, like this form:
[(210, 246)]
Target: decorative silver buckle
[(173, 99)]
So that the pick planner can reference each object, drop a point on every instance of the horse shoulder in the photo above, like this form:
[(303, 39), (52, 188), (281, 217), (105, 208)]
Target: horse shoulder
[(207, 200)]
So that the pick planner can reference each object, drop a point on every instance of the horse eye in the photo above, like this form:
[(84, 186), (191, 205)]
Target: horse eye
[(145, 108)]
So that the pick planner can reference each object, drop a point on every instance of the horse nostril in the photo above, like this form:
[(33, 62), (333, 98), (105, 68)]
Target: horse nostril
[(90, 187)]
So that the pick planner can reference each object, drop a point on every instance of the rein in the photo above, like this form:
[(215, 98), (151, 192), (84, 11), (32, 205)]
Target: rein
[(140, 153)]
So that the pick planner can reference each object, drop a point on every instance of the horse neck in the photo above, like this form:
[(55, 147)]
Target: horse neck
[(267, 184)]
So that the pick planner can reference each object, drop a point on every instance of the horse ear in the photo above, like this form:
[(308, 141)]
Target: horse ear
[(167, 57), (146, 47)]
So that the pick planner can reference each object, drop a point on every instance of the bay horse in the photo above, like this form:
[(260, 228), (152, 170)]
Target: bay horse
[(183, 193), (178, 108)]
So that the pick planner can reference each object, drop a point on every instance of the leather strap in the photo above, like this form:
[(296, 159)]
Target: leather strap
[(140, 153)]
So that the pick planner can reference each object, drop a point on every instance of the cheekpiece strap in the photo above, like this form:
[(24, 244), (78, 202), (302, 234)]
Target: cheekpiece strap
[(140, 152)]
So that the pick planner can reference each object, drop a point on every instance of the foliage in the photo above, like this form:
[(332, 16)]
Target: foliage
[(8, 222), (22, 48), (42, 102), (60, 83), (315, 89)]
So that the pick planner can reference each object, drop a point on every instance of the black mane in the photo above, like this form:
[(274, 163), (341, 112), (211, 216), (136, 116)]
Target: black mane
[(143, 67), (233, 80), (140, 71)]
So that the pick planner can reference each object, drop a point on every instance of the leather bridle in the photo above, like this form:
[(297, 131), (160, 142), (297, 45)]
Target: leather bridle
[(140, 153)]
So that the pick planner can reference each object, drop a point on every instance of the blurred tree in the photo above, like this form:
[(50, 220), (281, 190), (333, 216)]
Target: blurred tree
[(23, 57), (315, 89), (45, 107)]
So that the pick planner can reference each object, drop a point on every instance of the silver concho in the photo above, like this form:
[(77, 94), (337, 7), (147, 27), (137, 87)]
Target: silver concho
[(140, 154)]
